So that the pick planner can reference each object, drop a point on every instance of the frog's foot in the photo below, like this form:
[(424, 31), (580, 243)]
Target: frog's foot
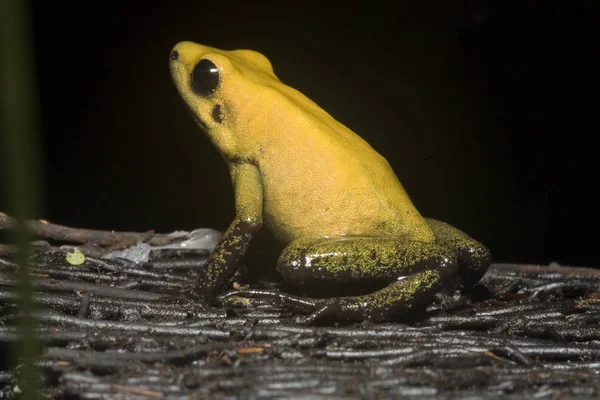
[(317, 308), (253, 297), (399, 297)]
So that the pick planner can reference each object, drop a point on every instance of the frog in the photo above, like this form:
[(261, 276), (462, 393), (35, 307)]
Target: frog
[(355, 246)]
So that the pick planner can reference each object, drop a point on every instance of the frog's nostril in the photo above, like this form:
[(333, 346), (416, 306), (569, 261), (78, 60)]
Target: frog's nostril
[(174, 55)]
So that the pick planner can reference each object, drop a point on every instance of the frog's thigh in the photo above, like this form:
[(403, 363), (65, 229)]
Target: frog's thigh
[(343, 260)]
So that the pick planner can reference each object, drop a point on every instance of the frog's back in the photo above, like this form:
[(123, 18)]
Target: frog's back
[(323, 179)]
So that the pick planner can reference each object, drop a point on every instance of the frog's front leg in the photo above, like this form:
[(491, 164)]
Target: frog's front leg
[(226, 258)]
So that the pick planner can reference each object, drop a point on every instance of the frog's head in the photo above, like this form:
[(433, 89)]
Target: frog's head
[(225, 91)]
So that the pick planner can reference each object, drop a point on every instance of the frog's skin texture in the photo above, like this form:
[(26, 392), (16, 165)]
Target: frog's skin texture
[(321, 189)]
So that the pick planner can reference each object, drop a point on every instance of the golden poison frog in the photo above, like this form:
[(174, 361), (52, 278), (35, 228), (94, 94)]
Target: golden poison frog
[(349, 227)]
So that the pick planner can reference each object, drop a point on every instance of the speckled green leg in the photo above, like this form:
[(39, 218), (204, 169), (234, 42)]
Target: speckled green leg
[(411, 273), (225, 259), (395, 299)]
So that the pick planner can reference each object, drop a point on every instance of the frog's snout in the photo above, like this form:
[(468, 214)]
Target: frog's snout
[(176, 63)]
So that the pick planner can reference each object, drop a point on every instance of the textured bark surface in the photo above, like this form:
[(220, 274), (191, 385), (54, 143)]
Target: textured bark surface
[(114, 329)]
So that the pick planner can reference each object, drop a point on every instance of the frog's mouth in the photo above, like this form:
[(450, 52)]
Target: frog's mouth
[(196, 118)]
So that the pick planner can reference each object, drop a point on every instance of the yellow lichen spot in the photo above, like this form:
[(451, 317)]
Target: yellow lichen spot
[(585, 303), (239, 286), (239, 301), (75, 257)]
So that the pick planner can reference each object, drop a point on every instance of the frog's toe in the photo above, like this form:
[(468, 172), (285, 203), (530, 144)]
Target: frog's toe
[(236, 301), (321, 313), (251, 297)]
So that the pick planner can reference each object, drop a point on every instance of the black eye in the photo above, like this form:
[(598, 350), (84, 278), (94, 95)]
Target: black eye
[(205, 77)]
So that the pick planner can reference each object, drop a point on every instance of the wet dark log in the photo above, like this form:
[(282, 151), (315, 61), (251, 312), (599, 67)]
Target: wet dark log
[(115, 329)]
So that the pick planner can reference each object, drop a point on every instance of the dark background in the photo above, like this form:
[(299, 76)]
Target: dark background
[(484, 110)]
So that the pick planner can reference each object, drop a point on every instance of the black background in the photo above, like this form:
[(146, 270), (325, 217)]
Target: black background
[(485, 110)]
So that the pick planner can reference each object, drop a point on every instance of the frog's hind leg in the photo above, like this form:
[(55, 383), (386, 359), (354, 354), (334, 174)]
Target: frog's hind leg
[(412, 273)]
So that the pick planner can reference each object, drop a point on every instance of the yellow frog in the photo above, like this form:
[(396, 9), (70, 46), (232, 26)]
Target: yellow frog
[(348, 223)]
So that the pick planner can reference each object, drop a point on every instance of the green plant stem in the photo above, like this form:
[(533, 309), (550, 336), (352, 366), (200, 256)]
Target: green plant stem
[(19, 162)]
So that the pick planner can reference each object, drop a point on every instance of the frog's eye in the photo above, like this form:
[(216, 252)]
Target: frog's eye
[(205, 77)]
